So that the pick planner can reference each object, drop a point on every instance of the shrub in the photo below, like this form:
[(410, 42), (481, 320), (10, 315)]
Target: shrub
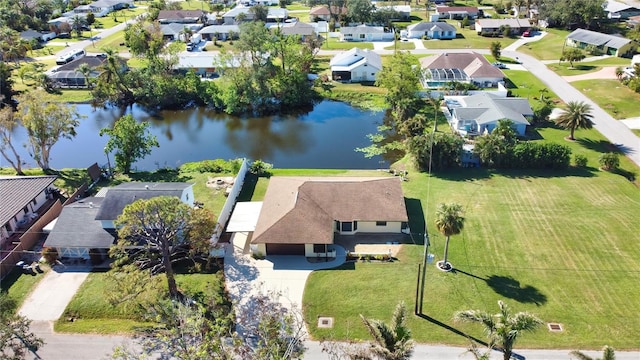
[(212, 166), (609, 161), (50, 255), (260, 168), (258, 255), (580, 160)]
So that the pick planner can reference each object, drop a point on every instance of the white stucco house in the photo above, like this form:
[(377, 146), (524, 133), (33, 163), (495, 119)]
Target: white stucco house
[(365, 33), (355, 65)]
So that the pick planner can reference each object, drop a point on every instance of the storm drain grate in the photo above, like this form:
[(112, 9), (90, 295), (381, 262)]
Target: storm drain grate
[(325, 322), (554, 327)]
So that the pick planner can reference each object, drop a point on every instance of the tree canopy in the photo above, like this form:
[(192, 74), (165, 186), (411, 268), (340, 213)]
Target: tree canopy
[(131, 141), (577, 115), (8, 123), (402, 81), (156, 233), (573, 13), (391, 341), (449, 221), (16, 339)]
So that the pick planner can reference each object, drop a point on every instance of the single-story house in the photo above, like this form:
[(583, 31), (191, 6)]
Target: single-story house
[(355, 65), (302, 215), (404, 11), (180, 16), (492, 27), (274, 15), (432, 30), (119, 196), (202, 63), (479, 114), (620, 11), (220, 31), (39, 36), (68, 76), (22, 199), (471, 67), (57, 22), (303, 30), (101, 8), (172, 31), (608, 44), (322, 12), (457, 12), (365, 33), (77, 233)]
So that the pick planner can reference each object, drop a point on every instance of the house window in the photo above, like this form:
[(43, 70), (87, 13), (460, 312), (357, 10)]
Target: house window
[(361, 36), (347, 226), (319, 248), (381, 223), (35, 202), (25, 209)]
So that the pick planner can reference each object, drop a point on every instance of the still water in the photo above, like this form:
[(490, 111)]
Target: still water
[(325, 137)]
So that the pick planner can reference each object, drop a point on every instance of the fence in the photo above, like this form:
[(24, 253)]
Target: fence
[(78, 194), (225, 213), (29, 239)]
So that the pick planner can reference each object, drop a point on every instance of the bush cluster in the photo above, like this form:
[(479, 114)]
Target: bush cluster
[(534, 155), (213, 166)]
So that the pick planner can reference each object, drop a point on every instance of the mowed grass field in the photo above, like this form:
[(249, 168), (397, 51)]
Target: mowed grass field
[(612, 96), (560, 245)]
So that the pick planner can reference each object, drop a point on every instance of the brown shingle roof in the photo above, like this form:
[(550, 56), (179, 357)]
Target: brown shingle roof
[(180, 14), (17, 191), (444, 9), (324, 10), (301, 210)]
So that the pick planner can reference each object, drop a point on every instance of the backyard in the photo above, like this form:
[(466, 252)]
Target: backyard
[(555, 244)]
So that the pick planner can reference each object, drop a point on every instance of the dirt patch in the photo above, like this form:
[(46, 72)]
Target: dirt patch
[(608, 72)]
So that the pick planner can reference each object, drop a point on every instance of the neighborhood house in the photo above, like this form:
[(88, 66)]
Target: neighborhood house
[(365, 33), (355, 65), (431, 30), (303, 215), (495, 27), (441, 70), (608, 44)]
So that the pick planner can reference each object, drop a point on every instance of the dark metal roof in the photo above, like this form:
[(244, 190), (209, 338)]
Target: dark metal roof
[(76, 227), (17, 191), (124, 194)]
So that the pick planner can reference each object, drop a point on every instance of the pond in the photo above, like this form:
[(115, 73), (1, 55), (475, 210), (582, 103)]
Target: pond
[(325, 137)]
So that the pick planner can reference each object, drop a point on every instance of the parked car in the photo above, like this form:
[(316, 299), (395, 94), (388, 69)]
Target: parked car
[(499, 65), (190, 47), (526, 33)]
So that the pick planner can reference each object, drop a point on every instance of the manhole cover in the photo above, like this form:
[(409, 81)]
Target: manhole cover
[(325, 322), (554, 327)]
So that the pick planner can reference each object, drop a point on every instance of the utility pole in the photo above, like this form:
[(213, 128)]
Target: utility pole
[(424, 270)]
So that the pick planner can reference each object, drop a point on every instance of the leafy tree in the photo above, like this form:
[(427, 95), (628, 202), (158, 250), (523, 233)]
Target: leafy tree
[(384, 17), (360, 11), (577, 115), (260, 13), (449, 221), (607, 354), (6, 85), (492, 149), (391, 341), (46, 122), (572, 55), (144, 39), (131, 141), (168, 231), (436, 150), (91, 18), (496, 49), (503, 328), (402, 81), (609, 161), (16, 339), (579, 13), (78, 24), (114, 84), (12, 47), (8, 123)]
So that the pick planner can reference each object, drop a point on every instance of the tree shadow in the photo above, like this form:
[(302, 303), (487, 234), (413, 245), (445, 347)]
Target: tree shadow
[(416, 219), (511, 288), (601, 146), (452, 329), (248, 187), (160, 175)]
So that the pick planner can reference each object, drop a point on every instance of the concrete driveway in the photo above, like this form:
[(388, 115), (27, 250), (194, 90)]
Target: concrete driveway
[(53, 293)]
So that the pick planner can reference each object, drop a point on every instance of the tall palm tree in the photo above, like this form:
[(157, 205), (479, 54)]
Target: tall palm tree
[(503, 328), (576, 115), (393, 341), (449, 221), (86, 70), (607, 354)]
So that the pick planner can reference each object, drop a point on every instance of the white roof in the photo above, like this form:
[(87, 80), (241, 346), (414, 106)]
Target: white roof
[(245, 216), (196, 60)]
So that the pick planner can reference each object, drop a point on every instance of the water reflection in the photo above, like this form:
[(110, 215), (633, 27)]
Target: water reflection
[(322, 138)]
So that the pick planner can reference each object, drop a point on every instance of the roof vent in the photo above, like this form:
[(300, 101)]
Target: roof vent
[(146, 187)]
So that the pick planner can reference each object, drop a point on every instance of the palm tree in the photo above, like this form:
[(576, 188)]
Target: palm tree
[(503, 328), (576, 115), (449, 221), (78, 24), (607, 354), (391, 342), (86, 70)]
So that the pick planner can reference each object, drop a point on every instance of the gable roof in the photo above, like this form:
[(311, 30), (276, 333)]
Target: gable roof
[(76, 226), (298, 28), (302, 210), (362, 29), (222, 29), (17, 191), (598, 39), (456, 9), (180, 14), (93, 61), (431, 26), (324, 10), (473, 64), (496, 23), (613, 6), (487, 108), (30, 34), (171, 28), (356, 57), (126, 193)]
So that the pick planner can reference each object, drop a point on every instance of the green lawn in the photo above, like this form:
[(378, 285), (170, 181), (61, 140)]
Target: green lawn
[(16, 286), (467, 39), (615, 98), (335, 44), (114, 41), (525, 84), (121, 16), (547, 48), (559, 245), (579, 68), (401, 45)]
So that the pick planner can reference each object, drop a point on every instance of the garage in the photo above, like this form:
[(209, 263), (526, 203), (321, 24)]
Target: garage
[(285, 249)]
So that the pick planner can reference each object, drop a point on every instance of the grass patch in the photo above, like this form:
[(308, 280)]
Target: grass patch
[(113, 41), (124, 15), (547, 48), (579, 68), (516, 246), (467, 39), (16, 286), (401, 45), (94, 314), (365, 96), (525, 84), (68, 179), (335, 44), (615, 98)]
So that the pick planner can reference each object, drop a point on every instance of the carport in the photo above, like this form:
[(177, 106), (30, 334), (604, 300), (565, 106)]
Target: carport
[(243, 223)]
